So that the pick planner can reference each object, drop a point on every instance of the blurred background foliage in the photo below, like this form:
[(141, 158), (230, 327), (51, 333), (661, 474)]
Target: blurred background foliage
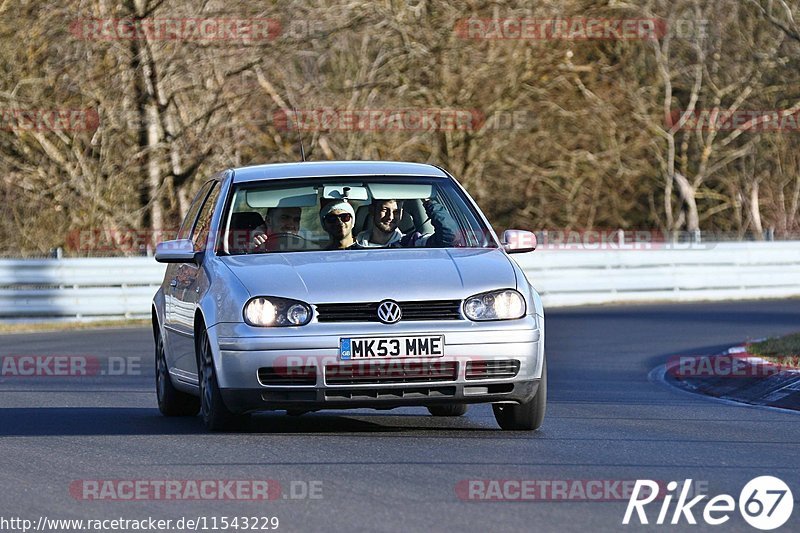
[(590, 147)]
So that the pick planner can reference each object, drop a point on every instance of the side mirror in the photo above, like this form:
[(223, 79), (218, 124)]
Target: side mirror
[(517, 241), (177, 251)]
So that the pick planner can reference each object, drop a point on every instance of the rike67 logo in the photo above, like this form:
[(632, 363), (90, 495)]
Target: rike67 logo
[(765, 503)]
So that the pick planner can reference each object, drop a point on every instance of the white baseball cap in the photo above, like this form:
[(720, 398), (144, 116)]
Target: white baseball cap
[(336, 206)]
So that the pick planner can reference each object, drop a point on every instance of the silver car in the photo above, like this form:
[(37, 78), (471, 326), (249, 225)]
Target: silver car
[(332, 285)]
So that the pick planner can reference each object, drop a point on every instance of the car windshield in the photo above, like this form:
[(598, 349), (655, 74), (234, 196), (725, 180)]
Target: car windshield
[(350, 214)]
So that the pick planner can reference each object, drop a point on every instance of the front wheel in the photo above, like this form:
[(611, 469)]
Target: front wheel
[(216, 416), (171, 401), (527, 416)]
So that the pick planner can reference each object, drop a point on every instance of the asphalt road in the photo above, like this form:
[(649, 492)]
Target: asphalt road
[(399, 470)]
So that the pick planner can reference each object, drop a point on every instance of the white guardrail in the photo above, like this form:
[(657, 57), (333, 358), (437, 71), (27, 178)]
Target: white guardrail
[(124, 287)]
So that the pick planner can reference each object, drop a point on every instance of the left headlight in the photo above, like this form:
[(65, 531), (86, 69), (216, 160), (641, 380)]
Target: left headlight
[(496, 305), (268, 311)]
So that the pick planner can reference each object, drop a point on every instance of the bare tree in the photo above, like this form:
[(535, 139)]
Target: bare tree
[(565, 133)]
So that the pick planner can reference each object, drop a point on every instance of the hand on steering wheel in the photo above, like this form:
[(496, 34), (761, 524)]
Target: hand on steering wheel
[(278, 241)]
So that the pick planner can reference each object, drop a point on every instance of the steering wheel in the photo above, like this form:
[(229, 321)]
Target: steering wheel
[(277, 242)]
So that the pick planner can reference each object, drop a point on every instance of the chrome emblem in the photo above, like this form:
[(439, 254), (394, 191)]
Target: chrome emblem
[(389, 312)]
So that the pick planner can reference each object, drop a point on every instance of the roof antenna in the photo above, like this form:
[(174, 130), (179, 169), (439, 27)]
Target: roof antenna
[(302, 150)]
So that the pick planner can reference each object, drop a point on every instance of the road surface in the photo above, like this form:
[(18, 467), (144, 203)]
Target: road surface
[(402, 470)]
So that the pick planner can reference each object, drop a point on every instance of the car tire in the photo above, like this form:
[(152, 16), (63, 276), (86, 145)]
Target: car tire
[(171, 401), (456, 409), (216, 416), (527, 416)]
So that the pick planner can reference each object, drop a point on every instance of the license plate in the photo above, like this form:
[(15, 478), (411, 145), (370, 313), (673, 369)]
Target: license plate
[(391, 347)]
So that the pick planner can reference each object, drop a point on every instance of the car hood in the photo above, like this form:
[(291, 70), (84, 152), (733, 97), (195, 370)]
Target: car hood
[(374, 275)]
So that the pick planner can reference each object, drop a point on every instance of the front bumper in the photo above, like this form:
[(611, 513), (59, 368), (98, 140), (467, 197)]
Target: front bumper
[(377, 397), (240, 351)]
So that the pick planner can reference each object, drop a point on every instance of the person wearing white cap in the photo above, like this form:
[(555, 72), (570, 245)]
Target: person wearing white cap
[(337, 219)]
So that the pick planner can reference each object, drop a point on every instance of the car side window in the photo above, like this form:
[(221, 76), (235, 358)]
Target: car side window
[(203, 226), (191, 214)]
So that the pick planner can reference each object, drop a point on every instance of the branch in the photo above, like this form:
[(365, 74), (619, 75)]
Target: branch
[(793, 32)]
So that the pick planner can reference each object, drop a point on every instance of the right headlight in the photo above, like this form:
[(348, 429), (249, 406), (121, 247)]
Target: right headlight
[(269, 311), (506, 304)]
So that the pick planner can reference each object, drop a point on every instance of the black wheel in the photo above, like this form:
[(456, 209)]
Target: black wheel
[(171, 401), (457, 409), (527, 416), (216, 416)]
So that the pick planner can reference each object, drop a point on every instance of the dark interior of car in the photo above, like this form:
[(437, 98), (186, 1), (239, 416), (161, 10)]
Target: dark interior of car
[(243, 224)]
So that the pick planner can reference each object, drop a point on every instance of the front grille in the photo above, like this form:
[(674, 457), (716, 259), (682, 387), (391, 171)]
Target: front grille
[(492, 369), (410, 393), (370, 372), (306, 375), (368, 312)]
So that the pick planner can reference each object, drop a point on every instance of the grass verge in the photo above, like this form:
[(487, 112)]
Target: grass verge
[(35, 327), (780, 350)]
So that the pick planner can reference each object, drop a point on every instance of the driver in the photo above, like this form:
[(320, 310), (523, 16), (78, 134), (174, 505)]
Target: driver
[(279, 220)]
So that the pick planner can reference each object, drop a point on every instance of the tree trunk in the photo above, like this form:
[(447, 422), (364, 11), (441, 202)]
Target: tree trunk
[(154, 169), (755, 211), (688, 196)]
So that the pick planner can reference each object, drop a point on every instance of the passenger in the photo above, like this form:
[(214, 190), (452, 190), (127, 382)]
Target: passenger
[(279, 220), (386, 215), (337, 219)]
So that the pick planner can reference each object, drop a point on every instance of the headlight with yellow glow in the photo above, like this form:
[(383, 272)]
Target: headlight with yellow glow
[(268, 311), (504, 304)]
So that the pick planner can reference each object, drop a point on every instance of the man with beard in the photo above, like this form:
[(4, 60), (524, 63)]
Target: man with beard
[(386, 215)]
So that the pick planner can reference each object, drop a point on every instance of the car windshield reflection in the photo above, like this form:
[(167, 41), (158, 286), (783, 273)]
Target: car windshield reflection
[(351, 214)]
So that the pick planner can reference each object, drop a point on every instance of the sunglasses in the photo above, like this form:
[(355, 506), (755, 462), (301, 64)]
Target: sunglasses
[(344, 217)]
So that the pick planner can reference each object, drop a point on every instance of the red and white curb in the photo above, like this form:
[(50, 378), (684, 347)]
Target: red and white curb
[(761, 383)]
